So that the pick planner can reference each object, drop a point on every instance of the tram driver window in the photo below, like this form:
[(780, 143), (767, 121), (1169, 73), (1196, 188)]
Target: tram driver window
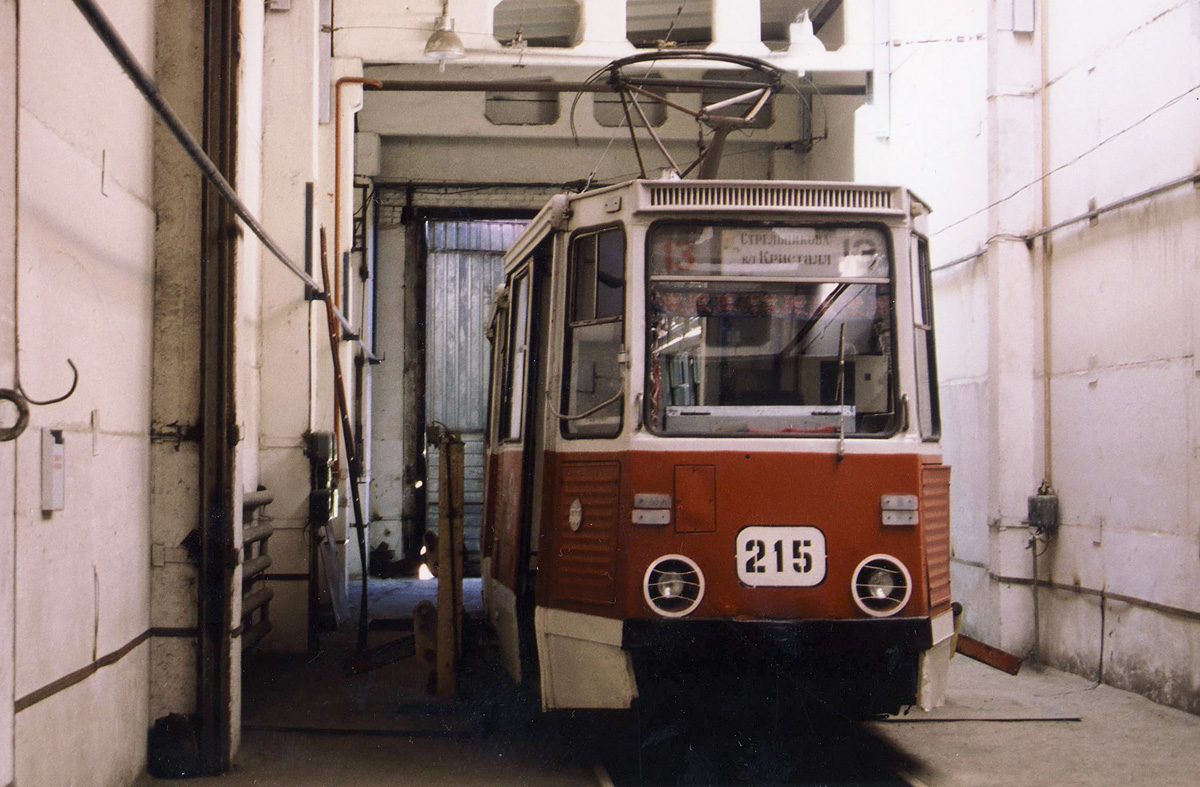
[(594, 384)]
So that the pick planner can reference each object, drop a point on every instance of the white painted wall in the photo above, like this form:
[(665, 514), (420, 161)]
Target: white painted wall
[(85, 267), (295, 367), (287, 321), (1124, 116), (8, 414), (1118, 334)]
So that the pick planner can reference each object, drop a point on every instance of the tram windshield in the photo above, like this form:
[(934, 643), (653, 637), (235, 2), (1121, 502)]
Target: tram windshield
[(757, 329)]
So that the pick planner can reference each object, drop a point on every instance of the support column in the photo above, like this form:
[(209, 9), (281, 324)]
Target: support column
[(1014, 321), (290, 121)]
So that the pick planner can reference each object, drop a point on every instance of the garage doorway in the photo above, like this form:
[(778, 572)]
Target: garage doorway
[(464, 264)]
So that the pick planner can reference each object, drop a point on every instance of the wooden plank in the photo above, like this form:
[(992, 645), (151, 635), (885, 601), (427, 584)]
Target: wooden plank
[(450, 564), (457, 504), (993, 657), (446, 683)]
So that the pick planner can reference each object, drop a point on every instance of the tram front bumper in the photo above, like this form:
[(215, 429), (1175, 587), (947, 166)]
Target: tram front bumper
[(791, 637)]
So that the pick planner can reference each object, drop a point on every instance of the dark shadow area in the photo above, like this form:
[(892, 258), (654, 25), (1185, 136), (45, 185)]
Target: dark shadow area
[(706, 729), (714, 733)]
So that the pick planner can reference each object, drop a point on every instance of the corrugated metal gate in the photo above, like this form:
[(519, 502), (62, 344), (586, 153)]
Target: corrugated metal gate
[(464, 266)]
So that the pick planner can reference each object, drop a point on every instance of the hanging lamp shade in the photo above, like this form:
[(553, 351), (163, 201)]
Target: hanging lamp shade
[(444, 44)]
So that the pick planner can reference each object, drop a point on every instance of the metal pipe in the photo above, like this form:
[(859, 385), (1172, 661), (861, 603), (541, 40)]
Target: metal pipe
[(650, 130), (961, 260), (254, 634), (145, 85), (1095, 213), (256, 533), (1047, 258), (340, 409), (337, 179), (256, 499), (255, 565), (1091, 215), (253, 601), (525, 86)]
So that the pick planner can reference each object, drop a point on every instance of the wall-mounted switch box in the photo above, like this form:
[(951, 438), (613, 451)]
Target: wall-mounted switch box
[(1043, 512), (54, 469)]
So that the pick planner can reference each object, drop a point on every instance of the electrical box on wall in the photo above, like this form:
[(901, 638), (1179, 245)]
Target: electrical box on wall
[(54, 470), (1043, 511)]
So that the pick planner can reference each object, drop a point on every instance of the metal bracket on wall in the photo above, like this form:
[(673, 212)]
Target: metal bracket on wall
[(174, 432)]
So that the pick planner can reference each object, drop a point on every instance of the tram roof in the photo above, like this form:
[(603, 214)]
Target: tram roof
[(724, 198)]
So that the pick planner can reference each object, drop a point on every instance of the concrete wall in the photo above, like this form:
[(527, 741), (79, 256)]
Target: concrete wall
[(295, 366), (1123, 117), (8, 413), (446, 137), (84, 291), (286, 321), (1002, 144)]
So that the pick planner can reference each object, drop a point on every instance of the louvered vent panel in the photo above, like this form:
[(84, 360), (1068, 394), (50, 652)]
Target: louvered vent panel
[(700, 195), (585, 570), (935, 521)]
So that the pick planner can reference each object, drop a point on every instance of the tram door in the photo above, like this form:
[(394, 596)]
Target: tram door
[(519, 444)]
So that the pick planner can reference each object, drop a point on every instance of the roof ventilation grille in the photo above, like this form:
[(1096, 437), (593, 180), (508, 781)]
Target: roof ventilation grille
[(698, 195)]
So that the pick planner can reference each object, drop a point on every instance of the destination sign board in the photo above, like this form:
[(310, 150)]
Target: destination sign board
[(784, 252)]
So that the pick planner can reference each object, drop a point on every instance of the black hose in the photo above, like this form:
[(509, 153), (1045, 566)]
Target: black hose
[(8, 433)]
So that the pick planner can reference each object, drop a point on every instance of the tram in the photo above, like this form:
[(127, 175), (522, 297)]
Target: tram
[(713, 444)]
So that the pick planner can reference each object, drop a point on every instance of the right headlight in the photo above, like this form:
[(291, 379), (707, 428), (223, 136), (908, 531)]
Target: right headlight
[(881, 586)]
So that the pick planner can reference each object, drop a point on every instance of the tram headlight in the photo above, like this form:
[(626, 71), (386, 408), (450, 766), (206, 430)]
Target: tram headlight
[(673, 586), (881, 586)]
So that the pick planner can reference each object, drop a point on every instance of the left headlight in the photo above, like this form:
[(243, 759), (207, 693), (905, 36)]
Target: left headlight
[(673, 586)]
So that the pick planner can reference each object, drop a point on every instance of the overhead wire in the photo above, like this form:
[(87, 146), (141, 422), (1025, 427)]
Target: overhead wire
[(1075, 159)]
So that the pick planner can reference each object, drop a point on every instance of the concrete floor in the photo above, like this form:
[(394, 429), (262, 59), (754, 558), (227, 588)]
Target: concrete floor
[(308, 723), (999, 729)]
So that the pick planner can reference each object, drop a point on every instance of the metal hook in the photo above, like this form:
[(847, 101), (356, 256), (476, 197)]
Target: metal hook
[(56, 400)]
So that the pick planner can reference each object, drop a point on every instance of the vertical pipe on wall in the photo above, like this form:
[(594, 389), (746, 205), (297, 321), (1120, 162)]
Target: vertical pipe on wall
[(1046, 255), (218, 438), (1047, 248), (337, 178), (413, 435)]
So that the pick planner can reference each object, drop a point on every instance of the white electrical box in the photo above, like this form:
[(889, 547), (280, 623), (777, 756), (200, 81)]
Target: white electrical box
[(54, 469)]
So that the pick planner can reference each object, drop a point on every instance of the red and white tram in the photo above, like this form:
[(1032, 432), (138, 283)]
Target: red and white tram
[(714, 438)]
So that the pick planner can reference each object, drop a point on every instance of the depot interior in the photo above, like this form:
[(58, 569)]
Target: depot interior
[(1056, 146)]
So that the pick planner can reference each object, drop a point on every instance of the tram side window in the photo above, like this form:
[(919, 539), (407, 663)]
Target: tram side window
[(512, 405), (928, 411), (497, 334), (594, 390)]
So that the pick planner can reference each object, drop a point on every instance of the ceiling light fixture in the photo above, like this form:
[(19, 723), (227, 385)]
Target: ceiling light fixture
[(444, 44)]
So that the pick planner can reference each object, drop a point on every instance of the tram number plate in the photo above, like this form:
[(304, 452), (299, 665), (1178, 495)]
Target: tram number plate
[(777, 556)]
